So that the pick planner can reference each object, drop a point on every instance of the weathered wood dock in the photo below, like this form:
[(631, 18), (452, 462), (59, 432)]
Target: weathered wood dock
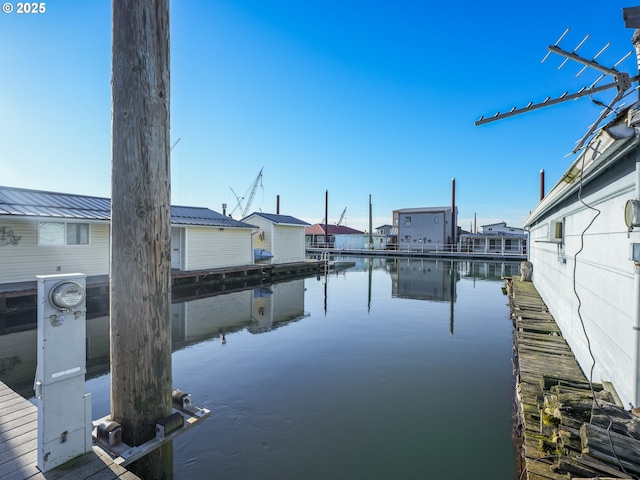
[(567, 427), (19, 443)]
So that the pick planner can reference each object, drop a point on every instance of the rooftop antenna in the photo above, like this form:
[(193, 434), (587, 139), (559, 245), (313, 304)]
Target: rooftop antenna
[(622, 82)]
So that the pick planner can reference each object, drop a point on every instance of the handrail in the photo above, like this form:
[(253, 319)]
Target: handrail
[(440, 249)]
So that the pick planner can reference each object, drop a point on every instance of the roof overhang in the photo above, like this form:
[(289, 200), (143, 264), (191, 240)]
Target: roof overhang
[(606, 148)]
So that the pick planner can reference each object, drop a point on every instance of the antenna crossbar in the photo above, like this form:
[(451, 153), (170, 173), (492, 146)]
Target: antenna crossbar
[(535, 106), (584, 61), (623, 83)]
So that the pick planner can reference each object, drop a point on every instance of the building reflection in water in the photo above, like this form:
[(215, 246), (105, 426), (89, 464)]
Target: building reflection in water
[(424, 279), (256, 310), (435, 280)]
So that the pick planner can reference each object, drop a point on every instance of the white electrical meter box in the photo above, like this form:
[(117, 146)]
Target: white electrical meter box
[(64, 410)]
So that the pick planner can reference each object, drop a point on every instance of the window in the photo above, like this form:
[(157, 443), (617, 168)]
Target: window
[(51, 233), (407, 221), (77, 234), (60, 233)]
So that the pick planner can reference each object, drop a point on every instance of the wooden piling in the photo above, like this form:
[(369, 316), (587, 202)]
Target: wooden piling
[(140, 294)]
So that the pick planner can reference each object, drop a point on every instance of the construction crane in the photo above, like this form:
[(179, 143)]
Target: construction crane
[(251, 193), (342, 216)]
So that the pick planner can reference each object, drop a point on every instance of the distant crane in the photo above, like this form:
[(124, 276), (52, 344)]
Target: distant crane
[(342, 216), (339, 222), (251, 193)]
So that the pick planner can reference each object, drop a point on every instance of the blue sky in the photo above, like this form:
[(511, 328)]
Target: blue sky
[(355, 97)]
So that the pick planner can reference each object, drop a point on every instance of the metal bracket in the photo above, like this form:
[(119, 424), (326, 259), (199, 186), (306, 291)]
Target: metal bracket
[(166, 430)]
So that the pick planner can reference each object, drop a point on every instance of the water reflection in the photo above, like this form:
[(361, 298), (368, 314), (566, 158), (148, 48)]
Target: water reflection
[(424, 279), (375, 386), (256, 310)]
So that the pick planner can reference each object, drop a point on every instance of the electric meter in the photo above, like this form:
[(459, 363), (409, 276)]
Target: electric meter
[(632, 213), (67, 295)]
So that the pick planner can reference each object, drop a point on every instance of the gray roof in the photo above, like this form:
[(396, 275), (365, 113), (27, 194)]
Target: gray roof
[(279, 219), (203, 216), (41, 204)]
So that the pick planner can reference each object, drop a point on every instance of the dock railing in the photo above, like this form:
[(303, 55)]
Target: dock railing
[(439, 250)]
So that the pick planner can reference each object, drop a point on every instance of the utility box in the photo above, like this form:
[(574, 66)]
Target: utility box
[(64, 410)]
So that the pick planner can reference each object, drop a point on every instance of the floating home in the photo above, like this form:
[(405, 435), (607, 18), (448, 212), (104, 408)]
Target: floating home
[(427, 228), (584, 245), (497, 238), (281, 237), (340, 237), (44, 233)]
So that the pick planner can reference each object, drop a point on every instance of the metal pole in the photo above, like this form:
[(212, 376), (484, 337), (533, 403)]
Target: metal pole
[(326, 219)]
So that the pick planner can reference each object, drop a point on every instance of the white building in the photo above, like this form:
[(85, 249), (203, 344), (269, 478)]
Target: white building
[(280, 235), (585, 250), (495, 238), (44, 233)]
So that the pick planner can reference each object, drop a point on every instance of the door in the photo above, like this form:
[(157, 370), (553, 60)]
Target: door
[(176, 248)]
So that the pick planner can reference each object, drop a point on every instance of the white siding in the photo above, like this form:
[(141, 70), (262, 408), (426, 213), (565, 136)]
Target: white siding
[(348, 241), (208, 247), (264, 238), (208, 317), (288, 244), (286, 303), (604, 278), (285, 242), (24, 261)]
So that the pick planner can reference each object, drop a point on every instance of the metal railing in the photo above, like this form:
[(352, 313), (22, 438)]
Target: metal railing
[(436, 249)]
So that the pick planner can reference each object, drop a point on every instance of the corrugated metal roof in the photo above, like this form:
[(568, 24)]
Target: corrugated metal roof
[(318, 229), (37, 203), (279, 219), (203, 216)]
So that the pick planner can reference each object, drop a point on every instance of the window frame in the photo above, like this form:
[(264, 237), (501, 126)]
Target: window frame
[(60, 238)]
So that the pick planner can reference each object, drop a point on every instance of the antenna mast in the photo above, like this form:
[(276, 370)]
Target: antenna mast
[(622, 82)]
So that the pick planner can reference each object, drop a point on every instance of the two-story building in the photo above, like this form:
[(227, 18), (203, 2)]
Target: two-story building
[(427, 228)]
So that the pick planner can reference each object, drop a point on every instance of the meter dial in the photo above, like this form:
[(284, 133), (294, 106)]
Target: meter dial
[(67, 295)]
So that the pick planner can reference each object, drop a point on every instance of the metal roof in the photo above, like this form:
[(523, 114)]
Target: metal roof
[(332, 229), (38, 203), (279, 219), (22, 202), (204, 217)]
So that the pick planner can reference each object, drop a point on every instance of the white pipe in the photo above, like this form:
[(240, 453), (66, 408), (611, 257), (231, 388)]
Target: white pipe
[(636, 307)]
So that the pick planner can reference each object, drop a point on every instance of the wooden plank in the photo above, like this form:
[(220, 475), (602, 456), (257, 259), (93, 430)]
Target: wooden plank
[(611, 447), (19, 443)]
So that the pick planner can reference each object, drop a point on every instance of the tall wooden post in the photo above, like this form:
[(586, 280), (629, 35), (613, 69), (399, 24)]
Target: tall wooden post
[(140, 297)]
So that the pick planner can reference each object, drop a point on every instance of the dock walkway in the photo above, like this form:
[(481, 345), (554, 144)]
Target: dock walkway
[(568, 428), (19, 443)]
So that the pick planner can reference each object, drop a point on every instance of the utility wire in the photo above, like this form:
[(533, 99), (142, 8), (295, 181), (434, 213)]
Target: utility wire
[(584, 329)]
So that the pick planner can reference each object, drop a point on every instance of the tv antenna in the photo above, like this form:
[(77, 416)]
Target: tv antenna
[(622, 82)]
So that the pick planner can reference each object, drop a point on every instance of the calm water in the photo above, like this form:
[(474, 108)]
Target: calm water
[(401, 371)]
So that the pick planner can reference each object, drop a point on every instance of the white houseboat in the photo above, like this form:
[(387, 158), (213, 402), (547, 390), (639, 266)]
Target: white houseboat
[(281, 237), (584, 245), (44, 233)]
